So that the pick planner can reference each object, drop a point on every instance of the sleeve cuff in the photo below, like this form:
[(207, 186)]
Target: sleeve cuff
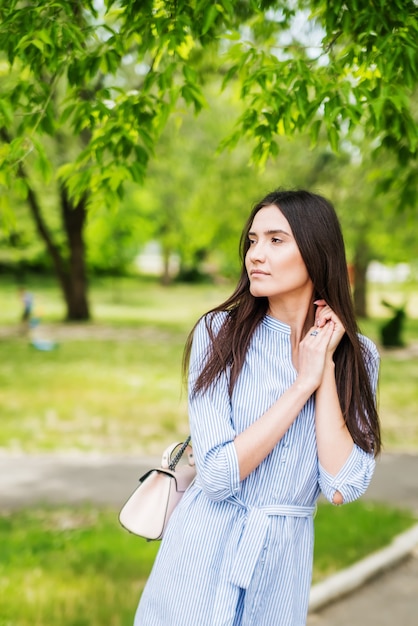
[(233, 467), (353, 478)]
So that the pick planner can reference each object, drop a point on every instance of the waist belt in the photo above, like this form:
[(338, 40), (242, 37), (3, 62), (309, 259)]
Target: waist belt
[(254, 531)]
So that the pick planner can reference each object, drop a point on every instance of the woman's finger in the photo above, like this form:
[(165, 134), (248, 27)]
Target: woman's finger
[(325, 314), (323, 332)]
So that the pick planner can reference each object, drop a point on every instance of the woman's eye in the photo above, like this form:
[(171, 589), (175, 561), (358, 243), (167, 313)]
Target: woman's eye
[(251, 241), (276, 240)]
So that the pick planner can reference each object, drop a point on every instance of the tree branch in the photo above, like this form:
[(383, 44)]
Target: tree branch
[(36, 211)]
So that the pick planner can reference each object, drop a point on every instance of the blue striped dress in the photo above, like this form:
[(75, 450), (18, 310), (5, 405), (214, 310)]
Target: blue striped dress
[(240, 553)]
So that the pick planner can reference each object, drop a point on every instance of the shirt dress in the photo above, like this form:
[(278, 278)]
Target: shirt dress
[(240, 553)]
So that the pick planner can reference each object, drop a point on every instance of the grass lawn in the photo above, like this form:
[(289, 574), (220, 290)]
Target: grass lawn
[(78, 567), (114, 385)]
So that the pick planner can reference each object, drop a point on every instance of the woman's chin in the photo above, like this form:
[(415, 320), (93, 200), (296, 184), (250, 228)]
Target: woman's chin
[(257, 292)]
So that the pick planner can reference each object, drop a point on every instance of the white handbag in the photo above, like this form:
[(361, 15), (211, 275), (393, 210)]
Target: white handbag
[(148, 509)]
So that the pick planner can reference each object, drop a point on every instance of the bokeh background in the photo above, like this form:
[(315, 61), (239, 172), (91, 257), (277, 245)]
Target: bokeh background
[(134, 139)]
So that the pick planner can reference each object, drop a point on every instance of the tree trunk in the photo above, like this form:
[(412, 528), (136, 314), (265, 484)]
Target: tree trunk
[(166, 276), (71, 274), (361, 262), (74, 281)]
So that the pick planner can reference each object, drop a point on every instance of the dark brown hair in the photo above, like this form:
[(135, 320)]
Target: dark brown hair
[(317, 232)]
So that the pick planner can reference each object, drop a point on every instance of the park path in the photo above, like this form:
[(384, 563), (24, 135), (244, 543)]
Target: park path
[(108, 479), (391, 598)]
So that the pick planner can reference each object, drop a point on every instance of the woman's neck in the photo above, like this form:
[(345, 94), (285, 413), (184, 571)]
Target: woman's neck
[(299, 316)]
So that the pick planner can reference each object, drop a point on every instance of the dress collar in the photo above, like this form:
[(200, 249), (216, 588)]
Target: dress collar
[(276, 325)]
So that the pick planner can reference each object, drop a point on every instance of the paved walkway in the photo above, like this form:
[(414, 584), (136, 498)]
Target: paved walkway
[(72, 478), (391, 598), (69, 479)]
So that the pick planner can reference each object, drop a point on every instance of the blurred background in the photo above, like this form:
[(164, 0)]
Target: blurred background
[(135, 138)]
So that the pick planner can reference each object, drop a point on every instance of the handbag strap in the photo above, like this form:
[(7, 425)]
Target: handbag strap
[(179, 454)]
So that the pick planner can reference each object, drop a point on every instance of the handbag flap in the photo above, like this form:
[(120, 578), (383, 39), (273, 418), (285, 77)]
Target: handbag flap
[(183, 476)]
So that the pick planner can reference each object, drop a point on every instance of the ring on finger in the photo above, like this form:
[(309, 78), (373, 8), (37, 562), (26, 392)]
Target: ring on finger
[(314, 333)]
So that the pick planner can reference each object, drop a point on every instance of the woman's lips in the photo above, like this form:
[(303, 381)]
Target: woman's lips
[(258, 273)]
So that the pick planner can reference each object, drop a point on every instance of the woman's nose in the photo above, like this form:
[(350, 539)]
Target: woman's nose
[(256, 252)]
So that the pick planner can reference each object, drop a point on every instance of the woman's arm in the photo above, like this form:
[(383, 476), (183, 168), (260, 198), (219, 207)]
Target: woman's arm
[(259, 439), (333, 438)]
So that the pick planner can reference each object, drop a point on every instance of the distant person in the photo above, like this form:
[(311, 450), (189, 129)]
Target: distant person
[(282, 407), (31, 321), (27, 300)]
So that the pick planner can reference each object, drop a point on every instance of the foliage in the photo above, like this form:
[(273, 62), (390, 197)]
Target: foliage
[(108, 74), (113, 74), (198, 198), (88, 87), (86, 90), (374, 228), (113, 238), (343, 66), (77, 566), (185, 183)]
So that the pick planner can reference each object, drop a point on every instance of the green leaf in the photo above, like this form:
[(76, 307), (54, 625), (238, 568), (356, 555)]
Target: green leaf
[(314, 132), (67, 113), (333, 136), (43, 163), (211, 14)]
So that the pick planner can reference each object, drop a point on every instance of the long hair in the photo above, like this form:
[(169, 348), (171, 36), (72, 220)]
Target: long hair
[(318, 235)]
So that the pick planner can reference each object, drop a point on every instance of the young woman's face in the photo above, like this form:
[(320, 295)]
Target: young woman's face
[(273, 262)]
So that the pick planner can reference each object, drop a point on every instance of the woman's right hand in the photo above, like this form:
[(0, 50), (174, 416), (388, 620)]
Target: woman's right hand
[(314, 354)]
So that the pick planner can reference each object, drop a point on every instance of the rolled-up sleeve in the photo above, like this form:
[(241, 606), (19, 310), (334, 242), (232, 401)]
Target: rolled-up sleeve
[(353, 478), (211, 427)]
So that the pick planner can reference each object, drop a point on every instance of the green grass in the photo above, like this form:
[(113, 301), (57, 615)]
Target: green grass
[(399, 402), (114, 385), (69, 567), (118, 302), (78, 567), (111, 396), (344, 535)]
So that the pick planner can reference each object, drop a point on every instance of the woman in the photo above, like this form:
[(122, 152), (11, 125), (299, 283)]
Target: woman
[(282, 407)]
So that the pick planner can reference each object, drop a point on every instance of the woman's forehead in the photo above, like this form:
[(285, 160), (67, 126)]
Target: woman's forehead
[(270, 218)]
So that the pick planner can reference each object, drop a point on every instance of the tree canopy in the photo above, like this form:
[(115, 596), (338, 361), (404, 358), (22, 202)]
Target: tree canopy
[(88, 85), (115, 70)]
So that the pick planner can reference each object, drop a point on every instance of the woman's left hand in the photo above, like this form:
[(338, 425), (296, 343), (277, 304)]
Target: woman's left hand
[(324, 315)]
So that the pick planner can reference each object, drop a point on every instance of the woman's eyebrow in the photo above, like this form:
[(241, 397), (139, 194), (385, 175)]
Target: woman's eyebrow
[(272, 231)]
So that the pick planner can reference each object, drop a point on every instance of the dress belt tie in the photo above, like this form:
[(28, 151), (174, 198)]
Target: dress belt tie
[(253, 536)]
